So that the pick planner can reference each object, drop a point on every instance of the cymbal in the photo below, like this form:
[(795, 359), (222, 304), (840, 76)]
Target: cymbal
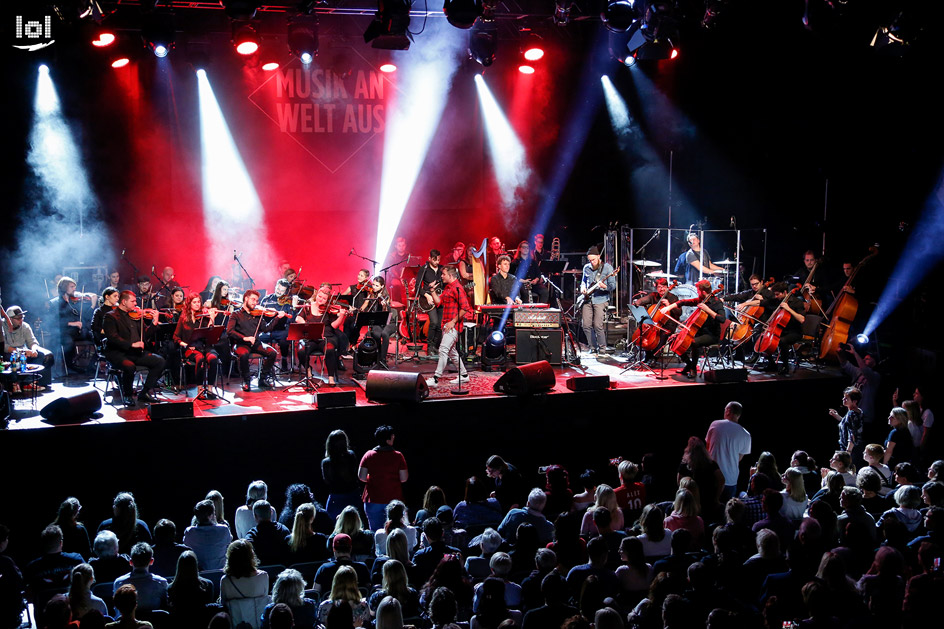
[(645, 263), (661, 274), (573, 272), (726, 262)]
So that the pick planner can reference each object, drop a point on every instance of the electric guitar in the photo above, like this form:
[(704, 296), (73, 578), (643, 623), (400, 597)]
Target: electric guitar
[(585, 290)]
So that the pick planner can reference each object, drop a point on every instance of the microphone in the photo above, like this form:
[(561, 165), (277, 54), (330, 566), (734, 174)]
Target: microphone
[(152, 268), (123, 252), (732, 222), (235, 257), (351, 252)]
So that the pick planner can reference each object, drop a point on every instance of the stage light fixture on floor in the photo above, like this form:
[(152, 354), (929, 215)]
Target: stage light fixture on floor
[(303, 37), (483, 41), (619, 15), (493, 350), (389, 29), (365, 358), (245, 39), (462, 13), (862, 339)]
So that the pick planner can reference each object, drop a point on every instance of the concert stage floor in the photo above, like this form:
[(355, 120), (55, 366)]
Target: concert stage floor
[(288, 397)]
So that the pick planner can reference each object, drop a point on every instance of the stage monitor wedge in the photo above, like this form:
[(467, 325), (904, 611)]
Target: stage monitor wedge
[(527, 379)]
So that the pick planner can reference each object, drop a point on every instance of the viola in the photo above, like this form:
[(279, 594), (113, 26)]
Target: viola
[(144, 313), (267, 312), (684, 337)]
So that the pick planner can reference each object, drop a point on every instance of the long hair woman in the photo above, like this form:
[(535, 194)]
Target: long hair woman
[(289, 589), (397, 550), (395, 584), (339, 471), (81, 599), (304, 544), (397, 518), (344, 588), (603, 497), (244, 588), (189, 594), (350, 523), (75, 537)]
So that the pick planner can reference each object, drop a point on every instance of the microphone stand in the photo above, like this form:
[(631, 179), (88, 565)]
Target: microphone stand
[(252, 282), (568, 335), (131, 264), (366, 259)]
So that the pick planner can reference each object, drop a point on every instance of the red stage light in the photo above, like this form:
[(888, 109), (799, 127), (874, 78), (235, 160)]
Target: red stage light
[(120, 62), (246, 40), (533, 54), (525, 69), (104, 39), (388, 67), (247, 47), (270, 66), (674, 53)]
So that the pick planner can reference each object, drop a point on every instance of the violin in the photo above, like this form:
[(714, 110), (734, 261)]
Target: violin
[(267, 312), (144, 313), (78, 296)]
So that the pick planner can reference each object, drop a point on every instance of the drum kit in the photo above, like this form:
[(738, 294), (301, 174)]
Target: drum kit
[(684, 291)]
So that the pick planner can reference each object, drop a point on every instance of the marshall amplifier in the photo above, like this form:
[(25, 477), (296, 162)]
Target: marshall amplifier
[(538, 344), (536, 318)]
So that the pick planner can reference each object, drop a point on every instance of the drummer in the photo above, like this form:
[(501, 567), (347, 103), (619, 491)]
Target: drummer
[(698, 262)]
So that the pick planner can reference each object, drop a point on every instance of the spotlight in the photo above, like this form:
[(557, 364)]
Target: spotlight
[(158, 33), (389, 28), (268, 59), (388, 68), (523, 69), (160, 50), (562, 9), (655, 34), (534, 54), (530, 44), (245, 39), (862, 338), (462, 13), (619, 15), (43, 69), (120, 62), (240, 9), (303, 38), (483, 41), (269, 66), (493, 350), (365, 358), (103, 38)]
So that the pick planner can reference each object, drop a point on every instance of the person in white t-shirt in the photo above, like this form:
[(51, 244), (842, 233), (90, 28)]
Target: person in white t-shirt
[(728, 442)]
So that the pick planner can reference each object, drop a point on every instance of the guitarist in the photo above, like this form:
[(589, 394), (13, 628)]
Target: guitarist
[(428, 280), (596, 284)]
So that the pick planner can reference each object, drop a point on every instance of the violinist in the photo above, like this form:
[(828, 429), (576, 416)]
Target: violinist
[(663, 298), (196, 354), (710, 332), (219, 303), (125, 332), (793, 331), (361, 291), (168, 277), (174, 304), (109, 302), (380, 302), (279, 299), (145, 294), (244, 328), (335, 342), (207, 293), (72, 309)]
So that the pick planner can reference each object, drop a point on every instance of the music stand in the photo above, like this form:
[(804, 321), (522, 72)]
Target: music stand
[(210, 336), (370, 319), (552, 267), (306, 332)]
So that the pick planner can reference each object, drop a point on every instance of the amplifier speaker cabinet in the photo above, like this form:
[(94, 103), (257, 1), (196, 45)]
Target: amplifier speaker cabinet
[(170, 410), (536, 344), (76, 408), (718, 376), (396, 386)]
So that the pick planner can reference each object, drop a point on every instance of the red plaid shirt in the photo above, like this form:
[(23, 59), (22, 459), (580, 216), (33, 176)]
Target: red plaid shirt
[(453, 300)]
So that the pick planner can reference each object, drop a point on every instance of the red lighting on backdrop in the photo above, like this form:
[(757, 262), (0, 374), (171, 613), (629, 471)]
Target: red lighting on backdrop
[(533, 54), (246, 40), (104, 39)]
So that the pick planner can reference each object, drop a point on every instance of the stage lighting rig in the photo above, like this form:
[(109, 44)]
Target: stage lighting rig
[(483, 38), (493, 350), (654, 35), (619, 15), (303, 37), (240, 9), (158, 32), (389, 29), (245, 38), (562, 9), (463, 13)]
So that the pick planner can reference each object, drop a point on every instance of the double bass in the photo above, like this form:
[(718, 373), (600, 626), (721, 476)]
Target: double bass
[(842, 312), (746, 318), (769, 341), (647, 336), (682, 339)]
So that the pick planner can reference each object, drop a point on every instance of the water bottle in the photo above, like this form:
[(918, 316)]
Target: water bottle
[(22, 362), (15, 360)]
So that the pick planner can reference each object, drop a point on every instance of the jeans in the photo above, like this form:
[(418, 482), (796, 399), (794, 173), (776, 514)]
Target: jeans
[(376, 515), (591, 316), (337, 502), (448, 352)]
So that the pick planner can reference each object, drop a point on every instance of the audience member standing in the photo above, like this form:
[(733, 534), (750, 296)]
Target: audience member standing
[(383, 470), (728, 442)]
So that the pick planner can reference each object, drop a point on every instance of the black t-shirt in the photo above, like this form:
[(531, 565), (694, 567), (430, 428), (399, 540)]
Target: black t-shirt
[(340, 473)]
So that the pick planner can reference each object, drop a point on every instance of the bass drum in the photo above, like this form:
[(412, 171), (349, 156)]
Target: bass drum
[(685, 291)]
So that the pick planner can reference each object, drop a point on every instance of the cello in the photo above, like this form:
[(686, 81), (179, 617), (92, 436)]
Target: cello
[(842, 312), (743, 328), (647, 337), (683, 338), (769, 341)]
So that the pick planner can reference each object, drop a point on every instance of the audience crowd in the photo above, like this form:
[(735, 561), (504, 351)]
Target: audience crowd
[(856, 543)]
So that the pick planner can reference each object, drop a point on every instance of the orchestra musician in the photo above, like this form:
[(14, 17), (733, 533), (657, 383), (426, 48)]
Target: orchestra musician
[(537, 251), (124, 348), (335, 341), (455, 307), (71, 326), (174, 303), (279, 299), (503, 287), (596, 292), (207, 293), (839, 286), (114, 280), (525, 267), (243, 330), (145, 295), (167, 276), (817, 286), (359, 291), (380, 302), (495, 246), (756, 295), (17, 334), (793, 332), (664, 298), (109, 302), (710, 331), (429, 282), (196, 353), (698, 261), (398, 259)]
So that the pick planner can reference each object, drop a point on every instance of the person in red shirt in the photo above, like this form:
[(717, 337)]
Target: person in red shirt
[(455, 306), (630, 495), (383, 470)]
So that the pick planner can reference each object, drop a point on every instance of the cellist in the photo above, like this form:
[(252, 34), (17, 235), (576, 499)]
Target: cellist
[(792, 331), (662, 298), (710, 332)]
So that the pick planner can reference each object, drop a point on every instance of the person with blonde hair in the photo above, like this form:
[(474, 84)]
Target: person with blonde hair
[(344, 589), (395, 584), (304, 544), (603, 497), (874, 455), (685, 516), (397, 550), (289, 589), (349, 522), (795, 500), (899, 445), (397, 518), (81, 599)]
